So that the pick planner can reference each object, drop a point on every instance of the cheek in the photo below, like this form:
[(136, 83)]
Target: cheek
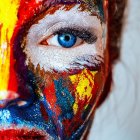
[(72, 97), (86, 86)]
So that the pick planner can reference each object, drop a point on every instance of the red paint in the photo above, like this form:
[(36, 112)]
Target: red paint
[(51, 99), (12, 86), (43, 112), (28, 9), (24, 134)]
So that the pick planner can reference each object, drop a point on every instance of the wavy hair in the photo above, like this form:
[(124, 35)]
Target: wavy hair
[(115, 25), (116, 10)]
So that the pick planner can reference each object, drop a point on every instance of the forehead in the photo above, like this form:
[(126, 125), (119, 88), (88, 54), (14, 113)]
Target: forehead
[(32, 8), (24, 10)]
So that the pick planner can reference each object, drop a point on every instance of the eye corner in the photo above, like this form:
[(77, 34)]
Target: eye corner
[(93, 39), (44, 42)]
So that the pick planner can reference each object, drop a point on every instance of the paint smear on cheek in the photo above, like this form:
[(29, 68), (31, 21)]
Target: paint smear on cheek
[(72, 98), (83, 83), (87, 87)]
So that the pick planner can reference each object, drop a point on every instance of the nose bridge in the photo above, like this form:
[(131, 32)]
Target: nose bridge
[(8, 19)]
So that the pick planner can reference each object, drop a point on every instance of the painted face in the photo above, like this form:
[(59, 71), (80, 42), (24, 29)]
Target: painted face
[(53, 63)]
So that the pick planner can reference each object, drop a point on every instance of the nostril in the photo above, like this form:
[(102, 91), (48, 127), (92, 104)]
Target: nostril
[(7, 96)]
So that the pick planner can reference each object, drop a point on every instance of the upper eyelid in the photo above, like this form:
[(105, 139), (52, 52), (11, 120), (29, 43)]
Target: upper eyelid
[(64, 25), (61, 18), (82, 33)]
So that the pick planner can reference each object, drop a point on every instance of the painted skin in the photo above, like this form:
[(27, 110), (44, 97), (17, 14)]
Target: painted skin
[(52, 90)]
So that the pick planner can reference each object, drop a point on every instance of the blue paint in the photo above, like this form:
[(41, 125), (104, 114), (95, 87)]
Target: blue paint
[(100, 7), (64, 99), (30, 117)]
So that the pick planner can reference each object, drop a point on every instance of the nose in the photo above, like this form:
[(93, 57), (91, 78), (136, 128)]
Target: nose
[(11, 97), (7, 96)]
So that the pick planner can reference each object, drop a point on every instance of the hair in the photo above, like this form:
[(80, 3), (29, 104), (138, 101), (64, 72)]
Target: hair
[(116, 10), (115, 24)]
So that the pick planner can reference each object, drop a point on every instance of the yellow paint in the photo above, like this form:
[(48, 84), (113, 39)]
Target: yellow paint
[(84, 83), (8, 18)]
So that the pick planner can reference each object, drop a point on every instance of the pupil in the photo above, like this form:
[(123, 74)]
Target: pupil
[(67, 38)]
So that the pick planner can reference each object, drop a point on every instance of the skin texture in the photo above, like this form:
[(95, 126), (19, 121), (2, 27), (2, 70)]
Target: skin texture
[(52, 92)]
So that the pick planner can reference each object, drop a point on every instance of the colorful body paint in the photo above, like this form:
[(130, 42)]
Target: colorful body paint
[(8, 19), (48, 91)]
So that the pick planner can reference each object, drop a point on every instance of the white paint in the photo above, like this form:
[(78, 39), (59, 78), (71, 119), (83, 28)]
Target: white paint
[(4, 46), (119, 117), (3, 95), (52, 57), (8, 95)]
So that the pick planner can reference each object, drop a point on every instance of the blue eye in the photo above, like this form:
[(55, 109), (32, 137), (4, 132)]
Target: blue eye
[(67, 40)]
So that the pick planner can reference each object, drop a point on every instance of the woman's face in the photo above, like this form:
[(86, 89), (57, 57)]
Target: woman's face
[(53, 68)]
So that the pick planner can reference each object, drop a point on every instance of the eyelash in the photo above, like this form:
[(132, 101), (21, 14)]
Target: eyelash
[(83, 34)]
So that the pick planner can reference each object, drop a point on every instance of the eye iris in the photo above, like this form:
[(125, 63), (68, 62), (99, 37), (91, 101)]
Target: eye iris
[(67, 40)]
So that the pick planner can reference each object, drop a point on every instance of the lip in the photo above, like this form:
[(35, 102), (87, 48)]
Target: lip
[(24, 133)]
